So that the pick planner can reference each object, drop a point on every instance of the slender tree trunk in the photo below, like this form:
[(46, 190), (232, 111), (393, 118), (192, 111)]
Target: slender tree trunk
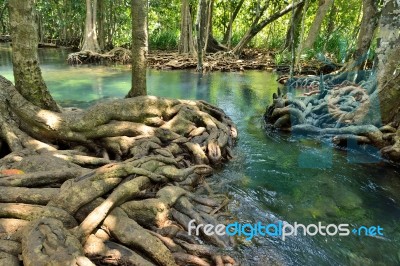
[(388, 54), (139, 48), (228, 33), (2, 12), (27, 74), (331, 21), (301, 37), (109, 24), (90, 42), (201, 31), (257, 27), (324, 6), (211, 44), (100, 22), (369, 23), (209, 25), (293, 31), (186, 39)]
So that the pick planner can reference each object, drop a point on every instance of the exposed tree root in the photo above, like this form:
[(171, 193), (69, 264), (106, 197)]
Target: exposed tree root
[(187, 259), (116, 179), (11, 229), (118, 54), (11, 247), (343, 110), (219, 61), (47, 242), (39, 196), (108, 252), (8, 259), (32, 212)]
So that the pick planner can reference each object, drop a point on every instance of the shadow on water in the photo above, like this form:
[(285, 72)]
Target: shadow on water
[(273, 177)]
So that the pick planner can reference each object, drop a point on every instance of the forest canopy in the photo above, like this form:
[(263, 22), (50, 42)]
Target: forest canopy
[(63, 22)]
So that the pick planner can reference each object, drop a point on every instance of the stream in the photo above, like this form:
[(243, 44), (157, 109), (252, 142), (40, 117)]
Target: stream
[(273, 176)]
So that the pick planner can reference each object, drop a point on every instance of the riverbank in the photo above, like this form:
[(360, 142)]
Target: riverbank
[(250, 59)]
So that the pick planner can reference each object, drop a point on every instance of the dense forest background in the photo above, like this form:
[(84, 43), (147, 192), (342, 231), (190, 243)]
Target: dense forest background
[(63, 22)]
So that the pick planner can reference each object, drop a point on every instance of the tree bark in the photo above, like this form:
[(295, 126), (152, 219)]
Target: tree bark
[(208, 22), (139, 48), (324, 6), (257, 27), (202, 32), (27, 74), (2, 12), (388, 54), (369, 23), (100, 22), (186, 44), (90, 42), (331, 21), (211, 44), (110, 25), (293, 31), (228, 33)]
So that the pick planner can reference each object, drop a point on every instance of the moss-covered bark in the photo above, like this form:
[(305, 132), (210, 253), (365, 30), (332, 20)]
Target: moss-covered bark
[(139, 48), (388, 53), (90, 42), (27, 74)]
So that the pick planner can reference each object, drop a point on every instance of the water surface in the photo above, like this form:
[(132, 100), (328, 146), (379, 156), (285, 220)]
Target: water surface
[(273, 177)]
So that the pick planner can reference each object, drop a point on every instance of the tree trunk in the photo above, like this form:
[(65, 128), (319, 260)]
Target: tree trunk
[(139, 48), (110, 25), (201, 31), (293, 31), (2, 12), (324, 6), (228, 33), (388, 54), (209, 16), (368, 26), (90, 42), (27, 74), (100, 22), (186, 38), (257, 27), (331, 21), (211, 44)]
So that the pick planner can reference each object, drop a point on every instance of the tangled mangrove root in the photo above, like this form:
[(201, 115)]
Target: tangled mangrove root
[(118, 54), (219, 61), (345, 111), (112, 185)]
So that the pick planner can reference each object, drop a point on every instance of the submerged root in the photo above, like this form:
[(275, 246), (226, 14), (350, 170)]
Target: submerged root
[(340, 111)]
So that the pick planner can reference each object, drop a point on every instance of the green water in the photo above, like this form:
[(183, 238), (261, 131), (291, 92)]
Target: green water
[(273, 177)]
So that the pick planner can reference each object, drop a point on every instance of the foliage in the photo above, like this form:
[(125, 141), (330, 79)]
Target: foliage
[(282, 57), (64, 21), (164, 40)]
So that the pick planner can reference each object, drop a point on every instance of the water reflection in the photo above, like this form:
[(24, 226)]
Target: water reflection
[(265, 180)]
